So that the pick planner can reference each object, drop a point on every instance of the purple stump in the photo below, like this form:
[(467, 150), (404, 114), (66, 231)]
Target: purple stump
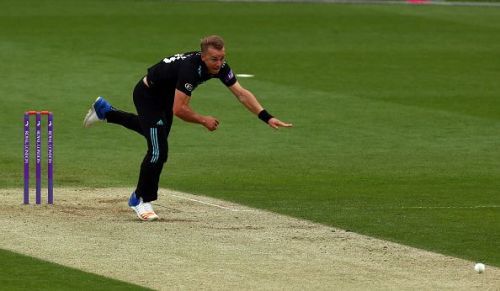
[(26, 158), (38, 152), (50, 153)]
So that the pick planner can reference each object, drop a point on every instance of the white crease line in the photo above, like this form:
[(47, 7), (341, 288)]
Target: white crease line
[(210, 204), (451, 207)]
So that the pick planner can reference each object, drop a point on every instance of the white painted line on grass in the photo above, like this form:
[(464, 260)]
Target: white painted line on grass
[(450, 207), (209, 204), (244, 75)]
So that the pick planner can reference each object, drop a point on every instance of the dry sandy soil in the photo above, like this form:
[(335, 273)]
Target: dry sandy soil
[(203, 243)]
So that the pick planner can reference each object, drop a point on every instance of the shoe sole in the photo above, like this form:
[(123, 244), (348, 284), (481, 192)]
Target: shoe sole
[(91, 117), (151, 218), (91, 114)]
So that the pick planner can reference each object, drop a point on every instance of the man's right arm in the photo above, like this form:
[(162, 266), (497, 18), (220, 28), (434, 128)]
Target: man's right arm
[(182, 110)]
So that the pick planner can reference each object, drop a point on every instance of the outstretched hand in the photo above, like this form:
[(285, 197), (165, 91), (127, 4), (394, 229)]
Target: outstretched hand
[(276, 123)]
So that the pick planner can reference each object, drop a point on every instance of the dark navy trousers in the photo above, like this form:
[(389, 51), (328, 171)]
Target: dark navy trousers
[(153, 120)]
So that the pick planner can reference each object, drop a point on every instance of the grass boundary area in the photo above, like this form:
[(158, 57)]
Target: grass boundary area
[(21, 272)]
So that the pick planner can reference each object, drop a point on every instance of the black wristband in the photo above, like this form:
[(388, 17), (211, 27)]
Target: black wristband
[(265, 116)]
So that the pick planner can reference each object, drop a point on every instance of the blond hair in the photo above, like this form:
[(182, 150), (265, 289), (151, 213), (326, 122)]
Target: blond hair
[(214, 41)]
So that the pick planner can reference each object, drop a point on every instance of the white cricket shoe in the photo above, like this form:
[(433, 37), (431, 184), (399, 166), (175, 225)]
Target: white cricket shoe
[(144, 210), (149, 212), (97, 112)]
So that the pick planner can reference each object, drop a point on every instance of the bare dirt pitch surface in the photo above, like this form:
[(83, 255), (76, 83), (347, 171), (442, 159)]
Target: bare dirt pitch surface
[(203, 243)]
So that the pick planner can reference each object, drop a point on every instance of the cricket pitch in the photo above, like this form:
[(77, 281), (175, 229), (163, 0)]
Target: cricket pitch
[(204, 243)]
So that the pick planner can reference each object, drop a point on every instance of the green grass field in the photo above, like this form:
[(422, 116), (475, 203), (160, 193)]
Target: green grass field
[(32, 274), (396, 109)]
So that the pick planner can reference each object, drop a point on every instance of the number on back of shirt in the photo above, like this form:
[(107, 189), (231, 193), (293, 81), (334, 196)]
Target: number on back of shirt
[(174, 58)]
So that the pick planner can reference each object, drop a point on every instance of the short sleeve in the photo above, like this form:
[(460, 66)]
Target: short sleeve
[(186, 81), (227, 76)]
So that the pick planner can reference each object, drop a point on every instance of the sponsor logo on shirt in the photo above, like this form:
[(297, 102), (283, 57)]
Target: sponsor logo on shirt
[(230, 75), (188, 87)]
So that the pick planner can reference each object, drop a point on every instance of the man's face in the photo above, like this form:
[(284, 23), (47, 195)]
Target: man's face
[(213, 59)]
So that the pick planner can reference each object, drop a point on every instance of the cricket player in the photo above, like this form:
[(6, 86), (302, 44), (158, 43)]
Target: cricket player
[(166, 91)]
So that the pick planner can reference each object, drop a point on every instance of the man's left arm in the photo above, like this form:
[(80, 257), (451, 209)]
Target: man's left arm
[(251, 103)]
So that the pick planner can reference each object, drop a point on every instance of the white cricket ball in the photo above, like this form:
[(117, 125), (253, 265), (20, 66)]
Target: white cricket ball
[(479, 267)]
